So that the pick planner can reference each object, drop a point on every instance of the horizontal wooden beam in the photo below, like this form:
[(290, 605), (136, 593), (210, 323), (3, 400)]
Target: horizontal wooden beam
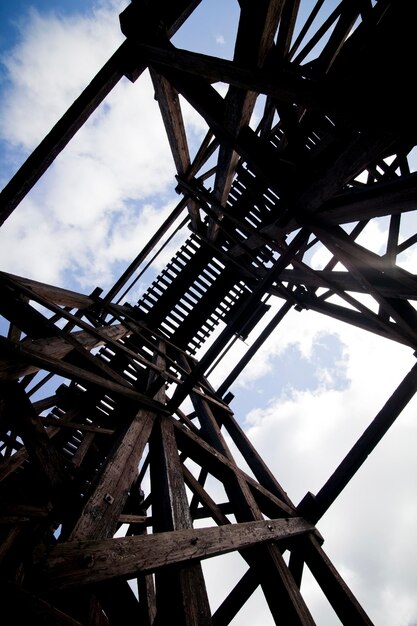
[(57, 295), (83, 562), (58, 348), (27, 353), (384, 198), (345, 281), (281, 84)]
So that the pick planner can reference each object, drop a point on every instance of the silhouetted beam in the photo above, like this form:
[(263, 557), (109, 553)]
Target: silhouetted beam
[(222, 468), (232, 604), (286, 28), (54, 142), (18, 410), (339, 595), (171, 113), (58, 347), (359, 261), (83, 562), (26, 353), (346, 282), (179, 598), (255, 37), (64, 297), (369, 322), (377, 200)]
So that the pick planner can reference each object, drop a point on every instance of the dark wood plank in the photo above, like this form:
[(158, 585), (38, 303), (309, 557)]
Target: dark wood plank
[(58, 295), (38, 445), (82, 562), (255, 37), (170, 107), (30, 355), (100, 514), (58, 348)]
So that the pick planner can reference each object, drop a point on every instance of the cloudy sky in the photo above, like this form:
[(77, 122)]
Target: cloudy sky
[(310, 393)]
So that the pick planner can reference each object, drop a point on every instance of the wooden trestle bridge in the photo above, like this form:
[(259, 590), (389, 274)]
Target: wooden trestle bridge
[(113, 444)]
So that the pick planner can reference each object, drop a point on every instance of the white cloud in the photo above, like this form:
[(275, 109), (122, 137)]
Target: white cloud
[(54, 60), (303, 436), (107, 192)]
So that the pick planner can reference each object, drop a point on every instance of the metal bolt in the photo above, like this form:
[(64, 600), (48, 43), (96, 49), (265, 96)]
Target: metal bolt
[(108, 498), (87, 560)]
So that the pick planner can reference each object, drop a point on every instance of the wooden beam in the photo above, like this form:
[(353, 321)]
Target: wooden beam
[(100, 513), (345, 281), (39, 447), (181, 596), (232, 604), (220, 466), (358, 260), (389, 197), (77, 563), (363, 318), (169, 104), (345, 605), (255, 37), (77, 426), (58, 295), (58, 348)]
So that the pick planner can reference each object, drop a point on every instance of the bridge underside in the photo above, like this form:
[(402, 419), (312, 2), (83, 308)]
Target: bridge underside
[(112, 435)]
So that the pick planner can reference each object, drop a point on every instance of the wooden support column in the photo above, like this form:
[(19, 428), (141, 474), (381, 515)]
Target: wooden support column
[(18, 410), (169, 104), (283, 596), (261, 22), (181, 595), (58, 348)]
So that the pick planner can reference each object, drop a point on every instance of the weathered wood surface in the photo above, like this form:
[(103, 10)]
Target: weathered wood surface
[(100, 514), (58, 348), (81, 562), (26, 352), (64, 297), (221, 467)]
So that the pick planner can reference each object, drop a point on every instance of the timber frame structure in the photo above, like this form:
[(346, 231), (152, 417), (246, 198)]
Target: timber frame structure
[(136, 431)]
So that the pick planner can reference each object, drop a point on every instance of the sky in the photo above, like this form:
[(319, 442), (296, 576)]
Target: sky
[(309, 393)]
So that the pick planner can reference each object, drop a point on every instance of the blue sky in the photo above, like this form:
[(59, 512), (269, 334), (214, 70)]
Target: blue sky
[(311, 390)]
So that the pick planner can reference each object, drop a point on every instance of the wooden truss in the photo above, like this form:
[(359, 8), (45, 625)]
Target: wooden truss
[(107, 419)]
